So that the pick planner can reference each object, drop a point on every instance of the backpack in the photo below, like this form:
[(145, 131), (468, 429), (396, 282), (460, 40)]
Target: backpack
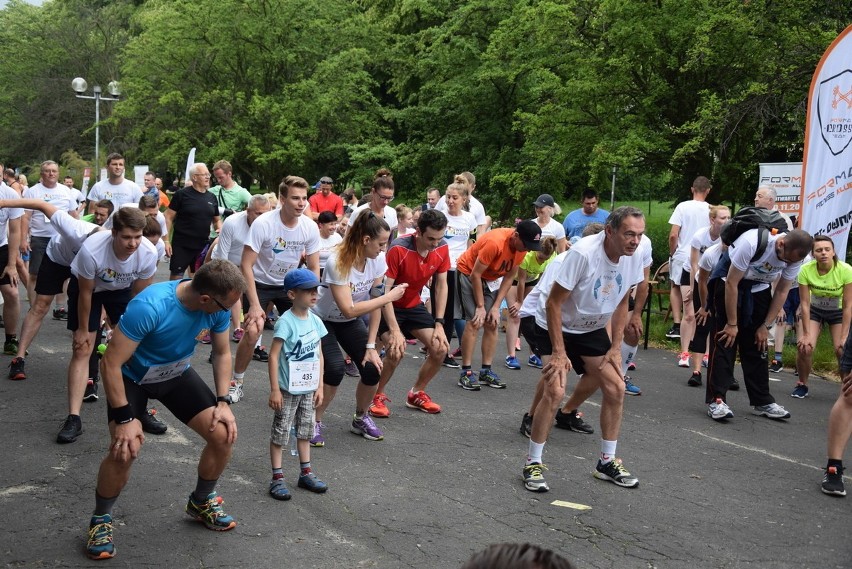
[(766, 220)]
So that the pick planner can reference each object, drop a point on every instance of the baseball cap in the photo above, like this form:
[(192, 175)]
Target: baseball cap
[(300, 279), (326, 180), (543, 200), (530, 234)]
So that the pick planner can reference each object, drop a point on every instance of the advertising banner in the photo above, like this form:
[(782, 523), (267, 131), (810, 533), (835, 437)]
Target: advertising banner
[(786, 179)]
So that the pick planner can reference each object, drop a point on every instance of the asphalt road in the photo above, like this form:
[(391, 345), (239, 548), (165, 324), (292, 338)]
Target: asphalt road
[(439, 487)]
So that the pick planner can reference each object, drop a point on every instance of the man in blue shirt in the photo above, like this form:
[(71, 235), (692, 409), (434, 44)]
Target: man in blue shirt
[(149, 356), (578, 219)]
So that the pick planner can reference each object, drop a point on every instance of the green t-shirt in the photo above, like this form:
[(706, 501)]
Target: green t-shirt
[(826, 290), (236, 199), (533, 268), (90, 217)]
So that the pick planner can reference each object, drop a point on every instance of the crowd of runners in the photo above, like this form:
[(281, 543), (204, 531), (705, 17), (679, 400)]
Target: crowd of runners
[(347, 285)]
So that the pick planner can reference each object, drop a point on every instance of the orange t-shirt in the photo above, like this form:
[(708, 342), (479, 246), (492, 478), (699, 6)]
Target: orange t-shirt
[(493, 250)]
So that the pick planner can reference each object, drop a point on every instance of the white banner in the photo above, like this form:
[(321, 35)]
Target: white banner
[(827, 171), (786, 179)]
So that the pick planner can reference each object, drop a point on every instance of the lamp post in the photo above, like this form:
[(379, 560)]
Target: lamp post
[(80, 85), (612, 191)]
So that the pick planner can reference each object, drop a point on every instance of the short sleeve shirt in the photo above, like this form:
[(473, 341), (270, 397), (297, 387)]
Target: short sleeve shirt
[(576, 221), (96, 261), (326, 245), (690, 216), (236, 198), (826, 290), (390, 215), (552, 229), (532, 267), (457, 234), (405, 265), (8, 214), (701, 241), (58, 196), (765, 269), (280, 248), (538, 295), (332, 202), (118, 194), (359, 283), (474, 207), (493, 250), (70, 235), (194, 212), (301, 342), (232, 238)]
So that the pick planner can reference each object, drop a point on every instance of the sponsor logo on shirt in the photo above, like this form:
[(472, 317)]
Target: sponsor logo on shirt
[(305, 348), (280, 246), (107, 275), (607, 286)]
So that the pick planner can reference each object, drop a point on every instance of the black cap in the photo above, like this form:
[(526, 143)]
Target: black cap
[(530, 234), (543, 200)]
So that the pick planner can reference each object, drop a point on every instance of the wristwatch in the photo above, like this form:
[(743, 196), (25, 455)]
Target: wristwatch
[(223, 399)]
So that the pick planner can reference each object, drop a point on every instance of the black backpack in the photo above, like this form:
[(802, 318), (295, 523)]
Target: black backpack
[(766, 220)]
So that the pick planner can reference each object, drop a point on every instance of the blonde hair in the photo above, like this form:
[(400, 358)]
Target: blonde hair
[(272, 198), (462, 186), (715, 209)]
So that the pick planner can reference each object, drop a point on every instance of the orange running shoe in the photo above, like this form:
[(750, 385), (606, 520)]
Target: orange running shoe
[(378, 408), (420, 400)]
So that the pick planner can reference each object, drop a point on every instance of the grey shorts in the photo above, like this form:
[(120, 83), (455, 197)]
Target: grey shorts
[(298, 411), (465, 305), (38, 246)]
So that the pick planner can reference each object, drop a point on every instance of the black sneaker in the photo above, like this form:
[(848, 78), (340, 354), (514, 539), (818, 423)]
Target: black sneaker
[(776, 366), (694, 380), (16, 369), (735, 385), (832, 482), (450, 362), (71, 429), (60, 314), (269, 324), (91, 394), (526, 425), (260, 354), (613, 471), (151, 424), (674, 332), (573, 421)]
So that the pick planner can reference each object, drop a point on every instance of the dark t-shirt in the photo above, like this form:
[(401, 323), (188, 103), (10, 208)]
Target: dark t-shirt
[(194, 214)]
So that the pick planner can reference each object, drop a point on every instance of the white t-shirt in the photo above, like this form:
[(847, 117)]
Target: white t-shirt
[(118, 194), (161, 219), (326, 245), (765, 269), (70, 235), (700, 241), (358, 282), (691, 216), (597, 285), (232, 238), (77, 195), (645, 251), (279, 248), (457, 234), (552, 229), (538, 294), (97, 261), (57, 196), (390, 215), (474, 206), (710, 257), (7, 214)]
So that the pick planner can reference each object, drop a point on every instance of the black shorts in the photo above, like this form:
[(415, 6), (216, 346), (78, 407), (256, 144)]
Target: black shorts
[(830, 316), (270, 293), (410, 319), (185, 396), (536, 336), (465, 306), (51, 277), (591, 344), (4, 260), (685, 278), (38, 246), (113, 301), (183, 258)]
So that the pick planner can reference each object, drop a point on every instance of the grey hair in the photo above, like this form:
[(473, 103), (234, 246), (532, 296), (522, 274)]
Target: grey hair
[(193, 170), (619, 214), (258, 200), (770, 190)]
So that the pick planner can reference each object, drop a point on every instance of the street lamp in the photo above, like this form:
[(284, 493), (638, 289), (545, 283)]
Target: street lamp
[(80, 85)]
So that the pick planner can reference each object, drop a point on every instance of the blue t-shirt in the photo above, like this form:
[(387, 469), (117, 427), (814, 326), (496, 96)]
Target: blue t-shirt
[(166, 331), (576, 221), (301, 339)]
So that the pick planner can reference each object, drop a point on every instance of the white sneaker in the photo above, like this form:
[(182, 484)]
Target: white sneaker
[(771, 410), (683, 360), (719, 410), (235, 392)]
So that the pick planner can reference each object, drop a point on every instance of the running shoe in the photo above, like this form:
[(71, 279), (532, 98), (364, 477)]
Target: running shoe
[(210, 513), (235, 392), (674, 332), (832, 482), (424, 350), (10, 348), (378, 407), (800, 391), (683, 359), (719, 410), (206, 339), (71, 429), (91, 394), (491, 379), (100, 545), (526, 425), (278, 489), (269, 324), (771, 410), (614, 471), (735, 385), (694, 379), (450, 362), (533, 479), (457, 354), (260, 354), (534, 361), (411, 341), (151, 424), (61, 314), (573, 421), (309, 481), (705, 360), (237, 335), (420, 400), (366, 428), (631, 366), (16, 369), (350, 369), (776, 366), (318, 440), (511, 362), (631, 388), (468, 380)]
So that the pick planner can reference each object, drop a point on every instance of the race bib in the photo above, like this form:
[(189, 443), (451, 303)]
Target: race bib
[(826, 302), (589, 322), (304, 376), (164, 372), (494, 285)]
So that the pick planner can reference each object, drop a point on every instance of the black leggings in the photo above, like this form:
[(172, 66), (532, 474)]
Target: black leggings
[(352, 335), (451, 301)]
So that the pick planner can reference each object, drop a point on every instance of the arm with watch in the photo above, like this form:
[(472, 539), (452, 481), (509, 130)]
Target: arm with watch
[(125, 428)]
